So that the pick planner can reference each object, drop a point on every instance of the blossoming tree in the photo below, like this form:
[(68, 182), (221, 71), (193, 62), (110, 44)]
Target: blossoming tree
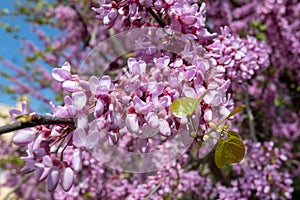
[(160, 99)]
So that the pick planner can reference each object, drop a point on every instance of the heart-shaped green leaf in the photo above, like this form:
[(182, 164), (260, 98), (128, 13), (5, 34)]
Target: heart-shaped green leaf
[(184, 106), (229, 151)]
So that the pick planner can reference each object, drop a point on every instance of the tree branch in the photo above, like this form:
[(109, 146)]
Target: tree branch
[(235, 3), (250, 117), (35, 120), (86, 36), (156, 17)]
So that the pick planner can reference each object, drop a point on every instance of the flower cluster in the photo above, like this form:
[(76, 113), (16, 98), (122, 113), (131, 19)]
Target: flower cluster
[(175, 182), (261, 174), (139, 103), (242, 58), (181, 16), (272, 21)]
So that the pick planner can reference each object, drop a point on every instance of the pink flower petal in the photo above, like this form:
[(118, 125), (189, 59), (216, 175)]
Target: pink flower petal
[(141, 107), (41, 173), (24, 136), (91, 139), (79, 100), (152, 120), (189, 20), (93, 83), (99, 108), (164, 127), (61, 74), (53, 179), (132, 123), (79, 137), (66, 66), (162, 62), (67, 179), (82, 121), (77, 160), (71, 86), (208, 115), (47, 161), (105, 81)]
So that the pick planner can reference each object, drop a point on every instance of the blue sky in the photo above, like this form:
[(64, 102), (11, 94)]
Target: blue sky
[(10, 49)]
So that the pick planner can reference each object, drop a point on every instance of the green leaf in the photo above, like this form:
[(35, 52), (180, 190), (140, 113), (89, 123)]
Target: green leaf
[(262, 27), (261, 36), (233, 134), (88, 195), (184, 106), (255, 24), (229, 151), (236, 110)]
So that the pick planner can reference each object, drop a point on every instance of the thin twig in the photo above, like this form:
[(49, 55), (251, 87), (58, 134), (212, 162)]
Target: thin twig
[(153, 191), (156, 17), (250, 117), (235, 3), (35, 120), (86, 35)]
